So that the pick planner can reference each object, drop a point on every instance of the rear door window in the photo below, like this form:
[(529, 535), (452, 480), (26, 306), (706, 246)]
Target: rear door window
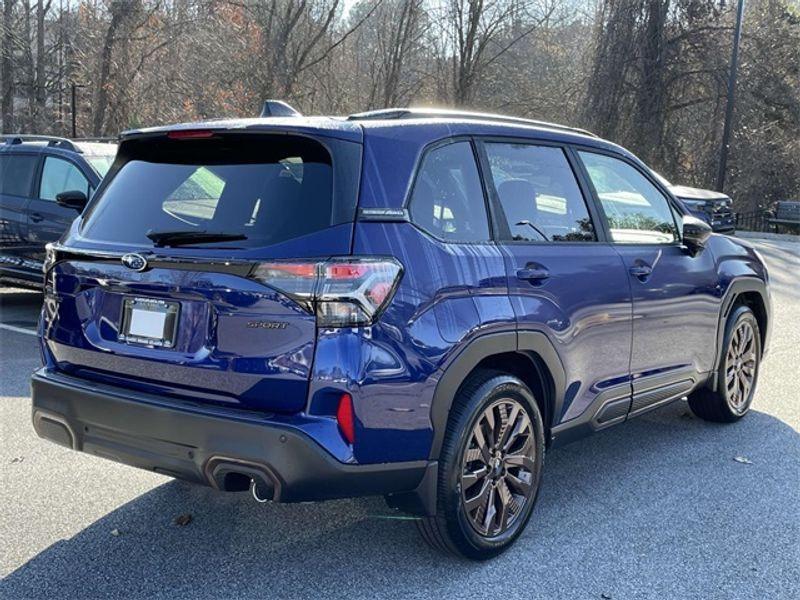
[(269, 190), (448, 200), (16, 174)]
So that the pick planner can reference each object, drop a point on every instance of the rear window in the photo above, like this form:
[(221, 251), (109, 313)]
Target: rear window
[(269, 189)]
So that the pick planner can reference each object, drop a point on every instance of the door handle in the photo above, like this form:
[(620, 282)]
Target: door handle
[(533, 274), (641, 271), (36, 217)]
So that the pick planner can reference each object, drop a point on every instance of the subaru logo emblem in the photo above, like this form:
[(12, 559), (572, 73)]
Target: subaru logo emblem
[(137, 262)]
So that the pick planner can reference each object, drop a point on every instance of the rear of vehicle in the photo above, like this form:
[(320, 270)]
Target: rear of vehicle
[(183, 312)]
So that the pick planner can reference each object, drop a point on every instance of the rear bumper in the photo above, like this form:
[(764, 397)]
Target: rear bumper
[(203, 444)]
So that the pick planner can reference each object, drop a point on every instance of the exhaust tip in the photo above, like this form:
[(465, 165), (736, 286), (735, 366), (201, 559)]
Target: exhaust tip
[(235, 475), (261, 491)]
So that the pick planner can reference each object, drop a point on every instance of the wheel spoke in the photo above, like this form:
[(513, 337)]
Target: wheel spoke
[(501, 426), (517, 460), (474, 455), (520, 427), (471, 478), (735, 342), (509, 425), (489, 418), (730, 378), (480, 441), (505, 497), (745, 385), (748, 340), (517, 484), (479, 499), (490, 512)]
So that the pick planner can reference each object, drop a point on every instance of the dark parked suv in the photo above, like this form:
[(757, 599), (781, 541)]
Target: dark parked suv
[(406, 303), (34, 170), (715, 208)]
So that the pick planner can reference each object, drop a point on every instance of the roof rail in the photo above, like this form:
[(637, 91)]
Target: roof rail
[(52, 140), (435, 113)]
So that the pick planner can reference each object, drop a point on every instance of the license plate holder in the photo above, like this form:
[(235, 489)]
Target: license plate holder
[(149, 322)]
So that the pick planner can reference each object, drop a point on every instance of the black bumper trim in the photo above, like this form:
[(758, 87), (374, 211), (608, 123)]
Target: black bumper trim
[(184, 442)]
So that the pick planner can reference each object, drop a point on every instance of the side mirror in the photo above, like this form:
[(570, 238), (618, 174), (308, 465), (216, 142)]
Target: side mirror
[(72, 199), (695, 232)]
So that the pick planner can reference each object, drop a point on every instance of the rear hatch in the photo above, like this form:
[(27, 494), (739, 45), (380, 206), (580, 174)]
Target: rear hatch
[(171, 281)]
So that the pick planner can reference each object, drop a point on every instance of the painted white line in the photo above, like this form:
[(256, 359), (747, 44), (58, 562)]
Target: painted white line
[(16, 329)]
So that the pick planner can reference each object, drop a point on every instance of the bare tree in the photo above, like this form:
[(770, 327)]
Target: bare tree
[(482, 31), (296, 35)]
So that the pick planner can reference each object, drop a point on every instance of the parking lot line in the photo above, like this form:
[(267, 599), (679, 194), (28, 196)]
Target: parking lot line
[(16, 329)]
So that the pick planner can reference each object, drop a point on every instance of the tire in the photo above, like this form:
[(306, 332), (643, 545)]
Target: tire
[(740, 359), (510, 478)]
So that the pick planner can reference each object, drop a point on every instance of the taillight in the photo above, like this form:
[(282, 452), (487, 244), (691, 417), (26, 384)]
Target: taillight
[(346, 419), (190, 134), (342, 292)]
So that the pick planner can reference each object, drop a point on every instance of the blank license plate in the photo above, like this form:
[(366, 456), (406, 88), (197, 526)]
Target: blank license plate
[(149, 321)]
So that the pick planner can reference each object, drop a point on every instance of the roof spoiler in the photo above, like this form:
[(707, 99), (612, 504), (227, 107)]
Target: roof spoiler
[(278, 108)]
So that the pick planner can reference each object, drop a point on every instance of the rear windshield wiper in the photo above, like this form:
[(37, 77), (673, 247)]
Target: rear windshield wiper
[(185, 238)]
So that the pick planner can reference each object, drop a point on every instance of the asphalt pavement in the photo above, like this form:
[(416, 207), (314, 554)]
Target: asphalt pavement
[(665, 506)]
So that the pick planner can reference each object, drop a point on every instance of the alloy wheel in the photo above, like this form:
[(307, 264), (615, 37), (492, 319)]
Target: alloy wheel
[(497, 475), (740, 366)]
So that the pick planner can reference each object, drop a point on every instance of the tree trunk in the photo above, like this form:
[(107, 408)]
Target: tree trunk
[(30, 69), (7, 73), (39, 121), (651, 100), (119, 10)]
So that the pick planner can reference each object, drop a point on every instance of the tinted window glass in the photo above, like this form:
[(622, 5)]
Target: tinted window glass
[(448, 198), (637, 212), (61, 176), (16, 174), (269, 191), (538, 193)]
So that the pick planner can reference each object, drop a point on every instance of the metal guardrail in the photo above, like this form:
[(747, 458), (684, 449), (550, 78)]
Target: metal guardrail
[(754, 220), (764, 221)]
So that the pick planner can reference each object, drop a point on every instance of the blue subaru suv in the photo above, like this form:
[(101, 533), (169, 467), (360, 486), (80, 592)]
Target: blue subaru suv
[(407, 303)]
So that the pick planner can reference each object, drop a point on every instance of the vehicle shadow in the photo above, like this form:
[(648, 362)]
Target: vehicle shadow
[(643, 505)]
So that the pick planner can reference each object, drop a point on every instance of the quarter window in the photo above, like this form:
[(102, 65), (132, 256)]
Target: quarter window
[(538, 193), (16, 174), (447, 200), (61, 176), (637, 212)]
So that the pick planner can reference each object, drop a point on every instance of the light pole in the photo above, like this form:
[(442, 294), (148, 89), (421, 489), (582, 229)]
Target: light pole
[(726, 131), (73, 106)]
